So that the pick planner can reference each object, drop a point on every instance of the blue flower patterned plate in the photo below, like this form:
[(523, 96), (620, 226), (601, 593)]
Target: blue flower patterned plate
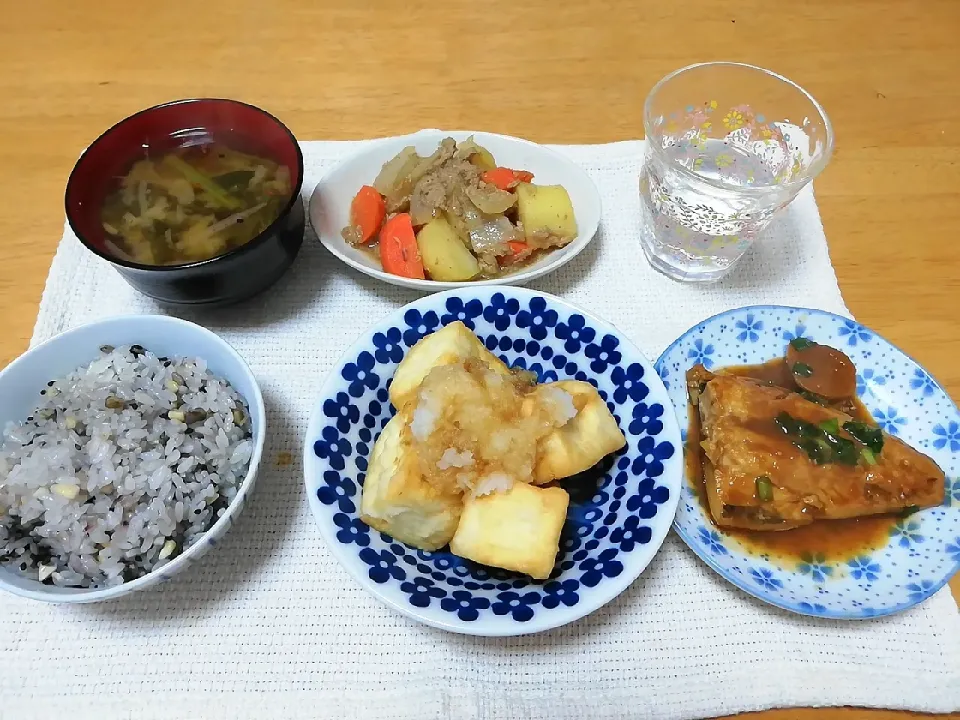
[(921, 551), (619, 514)]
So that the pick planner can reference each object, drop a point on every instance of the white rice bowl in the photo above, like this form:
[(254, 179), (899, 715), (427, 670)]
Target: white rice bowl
[(123, 465)]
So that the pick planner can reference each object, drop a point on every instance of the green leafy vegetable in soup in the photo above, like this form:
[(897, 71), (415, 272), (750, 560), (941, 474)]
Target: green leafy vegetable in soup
[(193, 204)]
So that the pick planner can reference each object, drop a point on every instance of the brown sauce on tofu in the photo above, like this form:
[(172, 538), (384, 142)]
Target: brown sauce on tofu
[(835, 540)]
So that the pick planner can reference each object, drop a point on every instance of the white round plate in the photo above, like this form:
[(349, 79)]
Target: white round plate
[(923, 549), (330, 201)]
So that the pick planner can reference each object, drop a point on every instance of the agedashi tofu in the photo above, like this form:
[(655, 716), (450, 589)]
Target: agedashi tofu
[(581, 443), (516, 530), (545, 209), (451, 344), (397, 500), (444, 255)]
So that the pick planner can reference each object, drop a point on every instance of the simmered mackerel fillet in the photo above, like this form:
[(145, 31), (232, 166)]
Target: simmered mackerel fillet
[(773, 460)]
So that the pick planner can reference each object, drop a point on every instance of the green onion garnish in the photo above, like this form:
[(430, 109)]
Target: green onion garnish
[(764, 488), (813, 449), (845, 452), (831, 426), (821, 443), (802, 369), (787, 424), (812, 397), (801, 343), (868, 456), (870, 436)]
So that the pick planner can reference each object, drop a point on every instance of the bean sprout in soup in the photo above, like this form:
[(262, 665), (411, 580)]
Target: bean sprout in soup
[(193, 204)]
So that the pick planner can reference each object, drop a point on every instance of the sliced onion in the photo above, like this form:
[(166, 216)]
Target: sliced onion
[(470, 150), (395, 170), (492, 237), (444, 152), (467, 148), (462, 214), (489, 199)]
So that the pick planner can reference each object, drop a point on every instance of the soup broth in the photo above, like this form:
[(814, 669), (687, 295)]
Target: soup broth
[(193, 204)]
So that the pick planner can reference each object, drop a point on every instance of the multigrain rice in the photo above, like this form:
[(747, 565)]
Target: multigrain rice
[(122, 466)]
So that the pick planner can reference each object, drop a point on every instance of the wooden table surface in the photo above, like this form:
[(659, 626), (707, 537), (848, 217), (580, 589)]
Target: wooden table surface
[(575, 72)]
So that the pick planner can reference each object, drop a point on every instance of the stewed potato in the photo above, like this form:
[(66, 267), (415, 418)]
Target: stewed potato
[(545, 210), (444, 255)]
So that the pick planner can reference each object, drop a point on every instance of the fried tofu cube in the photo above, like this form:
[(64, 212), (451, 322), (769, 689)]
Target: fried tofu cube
[(451, 344), (583, 441), (517, 530), (397, 500)]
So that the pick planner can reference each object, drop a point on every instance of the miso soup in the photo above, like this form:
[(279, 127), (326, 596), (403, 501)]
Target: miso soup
[(193, 204)]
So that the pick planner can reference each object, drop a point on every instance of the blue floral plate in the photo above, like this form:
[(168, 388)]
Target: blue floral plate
[(619, 514), (921, 551)]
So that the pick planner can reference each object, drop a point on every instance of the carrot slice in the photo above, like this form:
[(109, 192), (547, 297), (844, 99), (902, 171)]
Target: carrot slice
[(367, 212), (505, 178), (518, 251), (399, 253)]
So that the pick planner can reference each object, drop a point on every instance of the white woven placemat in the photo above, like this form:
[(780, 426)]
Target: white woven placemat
[(269, 626)]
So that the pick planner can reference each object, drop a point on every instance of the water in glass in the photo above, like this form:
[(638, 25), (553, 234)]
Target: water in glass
[(717, 170)]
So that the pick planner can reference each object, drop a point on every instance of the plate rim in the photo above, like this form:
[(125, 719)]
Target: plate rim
[(577, 246), (741, 584), (506, 626)]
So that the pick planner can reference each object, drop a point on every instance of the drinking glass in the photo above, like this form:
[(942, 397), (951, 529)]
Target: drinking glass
[(728, 146)]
